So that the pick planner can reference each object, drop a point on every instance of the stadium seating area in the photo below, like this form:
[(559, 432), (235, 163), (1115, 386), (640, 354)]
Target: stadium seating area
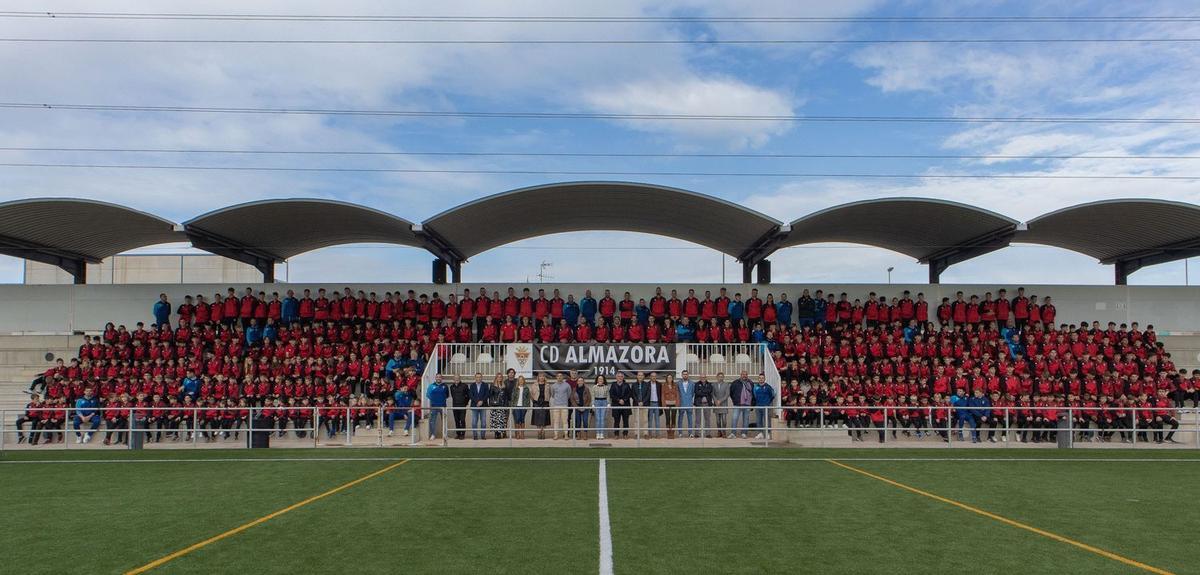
[(889, 362)]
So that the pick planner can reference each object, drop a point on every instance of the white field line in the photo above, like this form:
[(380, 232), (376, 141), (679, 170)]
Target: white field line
[(606, 560)]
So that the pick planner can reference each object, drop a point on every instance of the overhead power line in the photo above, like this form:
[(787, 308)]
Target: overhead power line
[(605, 116), (634, 42), (590, 19), (596, 154), (601, 172)]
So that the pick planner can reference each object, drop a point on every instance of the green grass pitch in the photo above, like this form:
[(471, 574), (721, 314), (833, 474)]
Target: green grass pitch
[(536, 511)]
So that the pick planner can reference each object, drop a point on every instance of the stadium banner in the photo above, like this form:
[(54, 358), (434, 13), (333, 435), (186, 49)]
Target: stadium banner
[(592, 359)]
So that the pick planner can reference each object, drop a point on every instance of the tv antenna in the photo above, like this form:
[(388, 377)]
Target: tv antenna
[(542, 276)]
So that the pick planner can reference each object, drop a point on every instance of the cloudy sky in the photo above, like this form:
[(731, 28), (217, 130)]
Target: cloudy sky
[(847, 79)]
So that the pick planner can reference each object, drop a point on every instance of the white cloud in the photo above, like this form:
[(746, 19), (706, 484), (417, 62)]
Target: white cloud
[(699, 96)]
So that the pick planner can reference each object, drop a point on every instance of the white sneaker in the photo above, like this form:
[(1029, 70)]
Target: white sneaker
[(87, 437), (78, 439), (759, 436), (390, 433), (368, 427), (405, 433)]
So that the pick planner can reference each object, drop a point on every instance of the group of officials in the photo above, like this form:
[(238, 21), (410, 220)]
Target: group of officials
[(565, 406)]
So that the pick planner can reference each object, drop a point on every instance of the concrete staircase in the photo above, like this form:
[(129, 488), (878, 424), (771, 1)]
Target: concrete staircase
[(23, 357), (1185, 350)]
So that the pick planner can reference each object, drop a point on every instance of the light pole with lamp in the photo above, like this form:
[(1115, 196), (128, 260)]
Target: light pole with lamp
[(890, 268)]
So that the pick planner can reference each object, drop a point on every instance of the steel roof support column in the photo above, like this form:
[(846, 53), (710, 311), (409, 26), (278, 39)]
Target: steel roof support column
[(936, 267)]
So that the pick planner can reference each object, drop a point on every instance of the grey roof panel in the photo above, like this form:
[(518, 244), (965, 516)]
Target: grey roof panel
[(282, 228), (71, 227), (1111, 230), (493, 221), (917, 227)]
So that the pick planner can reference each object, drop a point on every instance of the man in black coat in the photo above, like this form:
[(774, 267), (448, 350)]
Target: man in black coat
[(622, 396), (460, 398)]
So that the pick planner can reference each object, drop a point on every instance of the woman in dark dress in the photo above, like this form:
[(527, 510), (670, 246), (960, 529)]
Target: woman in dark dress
[(498, 401), (541, 406)]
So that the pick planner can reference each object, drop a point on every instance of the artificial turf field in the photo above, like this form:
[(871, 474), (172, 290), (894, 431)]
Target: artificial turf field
[(537, 511)]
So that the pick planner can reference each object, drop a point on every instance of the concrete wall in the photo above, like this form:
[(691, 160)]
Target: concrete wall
[(149, 269), (67, 308)]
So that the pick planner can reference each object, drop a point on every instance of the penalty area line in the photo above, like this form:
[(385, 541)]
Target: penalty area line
[(1011, 522)]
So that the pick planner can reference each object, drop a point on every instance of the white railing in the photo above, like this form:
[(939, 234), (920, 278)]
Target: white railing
[(706, 360), (726, 425)]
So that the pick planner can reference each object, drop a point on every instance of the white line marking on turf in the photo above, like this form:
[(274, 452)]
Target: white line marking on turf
[(606, 562), (590, 459)]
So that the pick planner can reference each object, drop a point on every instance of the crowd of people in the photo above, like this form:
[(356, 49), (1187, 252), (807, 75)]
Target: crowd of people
[(333, 361)]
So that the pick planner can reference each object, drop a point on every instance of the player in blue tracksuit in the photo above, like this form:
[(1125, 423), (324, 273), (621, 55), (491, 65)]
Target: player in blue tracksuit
[(403, 410), (764, 398), (435, 397), (969, 410), (162, 310), (587, 308), (87, 412)]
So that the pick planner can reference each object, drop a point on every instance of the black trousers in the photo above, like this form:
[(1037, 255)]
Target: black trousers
[(460, 420), (119, 427), (21, 421), (1163, 423), (621, 421)]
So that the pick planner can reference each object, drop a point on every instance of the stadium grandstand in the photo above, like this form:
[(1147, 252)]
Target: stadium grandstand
[(317, 365), (264, 303)]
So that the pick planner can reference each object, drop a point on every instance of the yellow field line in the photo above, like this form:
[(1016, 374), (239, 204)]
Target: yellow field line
[(1007, 521), (260, 520)]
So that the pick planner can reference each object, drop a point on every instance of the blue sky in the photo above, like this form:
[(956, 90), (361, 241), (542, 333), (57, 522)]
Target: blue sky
[(1125, 80)]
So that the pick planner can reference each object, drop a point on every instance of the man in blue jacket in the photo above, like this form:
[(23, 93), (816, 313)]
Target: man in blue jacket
[(480, 392), (587, 307), (436, 395), (966, 412), (190, 385), (162, 310), (684, 332), (571, 311), (981, 412), (86, 412), (819, 304), (403, 399), (737, 309), (783, 311), (254, 334), (642, 312), (397, 362), (764, 399), (289, 310), (687, 395)]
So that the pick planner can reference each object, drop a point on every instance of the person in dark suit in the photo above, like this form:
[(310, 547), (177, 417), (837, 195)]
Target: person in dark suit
[(622, 397), (741, 394), (460, 399), (480, 392), (704, 403), (649, 398)]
